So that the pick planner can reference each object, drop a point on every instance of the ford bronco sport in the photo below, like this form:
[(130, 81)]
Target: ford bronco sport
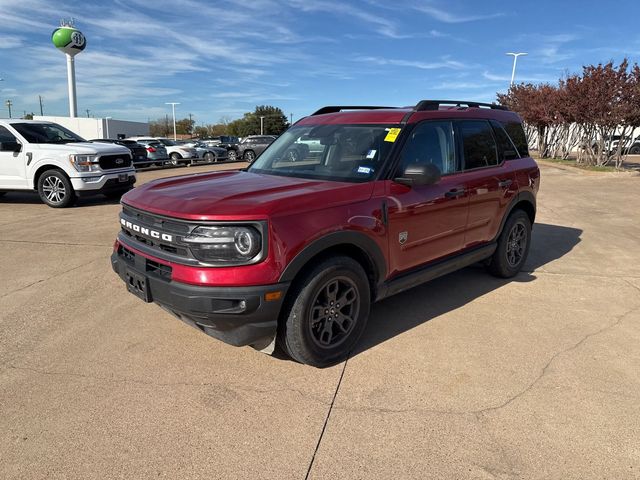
[(295, 252)]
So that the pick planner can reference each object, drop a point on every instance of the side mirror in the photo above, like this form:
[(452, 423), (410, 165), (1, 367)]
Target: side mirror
[(10, 147), (419, 174)]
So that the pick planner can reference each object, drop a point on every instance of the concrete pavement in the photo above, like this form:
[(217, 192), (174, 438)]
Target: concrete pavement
[(465, 377)]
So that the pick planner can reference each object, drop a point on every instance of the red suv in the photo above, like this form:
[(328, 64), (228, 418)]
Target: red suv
[(294, 250)]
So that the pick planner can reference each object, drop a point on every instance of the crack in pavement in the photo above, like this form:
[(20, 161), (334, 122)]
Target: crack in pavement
[(482, 411), (49, 278), (133, 381), (326, 420)]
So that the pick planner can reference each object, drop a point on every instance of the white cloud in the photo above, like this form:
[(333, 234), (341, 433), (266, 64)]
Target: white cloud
[(443, 63), (448, 16)]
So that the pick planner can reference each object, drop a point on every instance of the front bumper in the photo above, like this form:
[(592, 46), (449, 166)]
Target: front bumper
[(102, 182), (236, 315)]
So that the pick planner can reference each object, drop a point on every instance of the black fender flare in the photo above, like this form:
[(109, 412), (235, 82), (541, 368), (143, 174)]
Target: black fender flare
[(525, 196), (351, 238)]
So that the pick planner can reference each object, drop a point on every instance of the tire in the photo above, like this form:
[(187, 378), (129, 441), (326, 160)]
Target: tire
[(326, 341), (249, 156), (634, 150), (175, 159), (513, 246), (209, 157), (55, 189), (232, 155)]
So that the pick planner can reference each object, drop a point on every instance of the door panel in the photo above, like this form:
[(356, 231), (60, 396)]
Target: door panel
[(425, 223), (12, 164)]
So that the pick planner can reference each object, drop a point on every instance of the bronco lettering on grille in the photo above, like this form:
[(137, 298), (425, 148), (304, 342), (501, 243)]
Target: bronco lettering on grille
[(146, 231)]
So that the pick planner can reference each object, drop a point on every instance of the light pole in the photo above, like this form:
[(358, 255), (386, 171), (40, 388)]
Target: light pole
[(107, 122), (173, 110), (261, 125), (515, 60), (8, 103)]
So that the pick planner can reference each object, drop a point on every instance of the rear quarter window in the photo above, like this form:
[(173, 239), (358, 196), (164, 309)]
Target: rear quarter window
[(519, 139)]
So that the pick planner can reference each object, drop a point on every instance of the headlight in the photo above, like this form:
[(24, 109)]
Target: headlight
[(85, 163), (225, 243)]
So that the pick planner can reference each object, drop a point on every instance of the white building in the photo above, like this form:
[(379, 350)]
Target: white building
[(90, 128)]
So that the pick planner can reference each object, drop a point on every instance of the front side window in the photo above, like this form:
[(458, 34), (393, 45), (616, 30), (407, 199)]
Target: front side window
[(478, 145), (46, 133), (351, 153), (6, 135), (431, 142)]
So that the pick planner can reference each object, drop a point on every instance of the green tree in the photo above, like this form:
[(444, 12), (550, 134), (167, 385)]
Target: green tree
[(184, 126), (274, 122)]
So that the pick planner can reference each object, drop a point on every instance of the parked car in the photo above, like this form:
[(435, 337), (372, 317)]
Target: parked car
[(155, 151), (178, 154), (208, 153), (294, 253), (60, 165), (138, 151), (225, 141), (254, 145)]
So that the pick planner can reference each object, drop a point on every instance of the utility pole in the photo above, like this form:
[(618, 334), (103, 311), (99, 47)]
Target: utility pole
[(261, 125), (291, 119), (191, 125), (40, 98), (515, 60), (88, 112), (9, 103), (173, 109)]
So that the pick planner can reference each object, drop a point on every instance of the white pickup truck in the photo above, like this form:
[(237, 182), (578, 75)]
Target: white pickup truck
[(60, 165)]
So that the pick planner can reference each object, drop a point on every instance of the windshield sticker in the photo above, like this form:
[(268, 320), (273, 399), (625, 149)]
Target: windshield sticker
[(371, 154), (392, 135), (366, 170)]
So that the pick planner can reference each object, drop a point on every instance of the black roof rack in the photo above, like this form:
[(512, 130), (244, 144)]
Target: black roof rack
[(435, 105), (339, 108)]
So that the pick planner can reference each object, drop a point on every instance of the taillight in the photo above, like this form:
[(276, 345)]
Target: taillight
[(151, 150)]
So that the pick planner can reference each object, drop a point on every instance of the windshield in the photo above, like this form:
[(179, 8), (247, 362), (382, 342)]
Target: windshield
[(351, 153), (46, 133), (166, 142)]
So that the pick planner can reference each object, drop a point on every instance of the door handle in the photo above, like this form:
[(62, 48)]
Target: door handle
[(505, 183), (457, 192)]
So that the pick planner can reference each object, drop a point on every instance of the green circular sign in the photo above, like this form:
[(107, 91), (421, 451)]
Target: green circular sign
[(69, 40)]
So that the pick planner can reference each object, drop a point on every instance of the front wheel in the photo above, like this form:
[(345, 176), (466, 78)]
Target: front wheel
[(635, 150), (209, 157), (326, 313), (513, 246), (249, 156), (55, 189), (175, 159), (232, 155)]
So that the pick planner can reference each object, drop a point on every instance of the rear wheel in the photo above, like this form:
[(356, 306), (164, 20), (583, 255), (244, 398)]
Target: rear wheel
[(513, 246), (634, 150), (326, 312), (249, 156), (209, 157), (55, 189)]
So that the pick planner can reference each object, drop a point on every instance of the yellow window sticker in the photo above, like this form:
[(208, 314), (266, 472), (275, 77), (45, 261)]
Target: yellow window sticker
[(392, 135)]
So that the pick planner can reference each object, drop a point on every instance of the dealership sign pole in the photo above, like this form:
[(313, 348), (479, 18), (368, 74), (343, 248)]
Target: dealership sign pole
[(71, 42)]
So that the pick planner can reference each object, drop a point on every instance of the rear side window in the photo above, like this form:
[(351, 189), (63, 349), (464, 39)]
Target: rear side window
[(478, 145), (516, 132), (506, 148)]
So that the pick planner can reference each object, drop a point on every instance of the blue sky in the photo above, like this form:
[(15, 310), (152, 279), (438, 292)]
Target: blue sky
[(221, 58)]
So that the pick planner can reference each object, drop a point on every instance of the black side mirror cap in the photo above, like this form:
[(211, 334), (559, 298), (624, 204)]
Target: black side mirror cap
[(419, 174), (10, 147)]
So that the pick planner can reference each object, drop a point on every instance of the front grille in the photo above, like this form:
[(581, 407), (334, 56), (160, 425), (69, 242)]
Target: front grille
[(151, 230), (109, 162)]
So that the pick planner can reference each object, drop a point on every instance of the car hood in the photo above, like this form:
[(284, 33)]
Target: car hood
[(242, 195), (86, 148)]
